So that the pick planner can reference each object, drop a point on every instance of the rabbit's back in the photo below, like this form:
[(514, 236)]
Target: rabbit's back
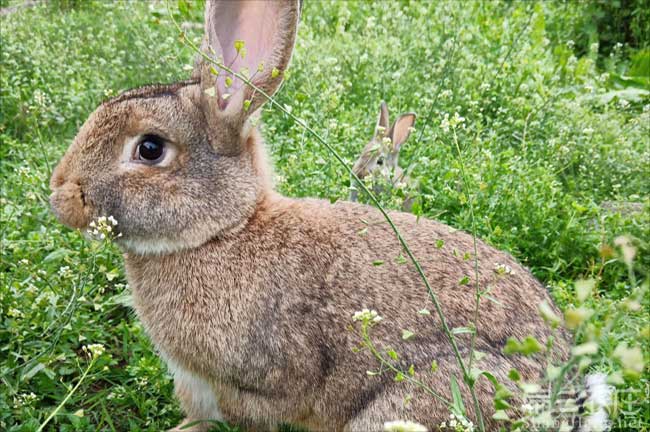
[(264, 312)]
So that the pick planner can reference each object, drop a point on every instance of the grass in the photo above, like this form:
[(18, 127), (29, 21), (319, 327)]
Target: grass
[(554, 128)]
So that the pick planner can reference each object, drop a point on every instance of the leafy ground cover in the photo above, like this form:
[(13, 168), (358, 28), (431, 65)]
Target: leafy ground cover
[(555, 135)]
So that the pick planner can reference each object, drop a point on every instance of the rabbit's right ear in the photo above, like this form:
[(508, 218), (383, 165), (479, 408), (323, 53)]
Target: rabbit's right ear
[(401, 130), (381, 129), (252, 37)]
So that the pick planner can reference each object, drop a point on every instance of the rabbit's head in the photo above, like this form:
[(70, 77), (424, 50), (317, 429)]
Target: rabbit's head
[(380, 156), (179, 164)]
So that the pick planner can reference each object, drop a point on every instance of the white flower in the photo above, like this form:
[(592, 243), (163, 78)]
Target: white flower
[(456, 121), (367, 315), (94, 350), (403, 426), (503, 269), (102, 228), (65, 272)]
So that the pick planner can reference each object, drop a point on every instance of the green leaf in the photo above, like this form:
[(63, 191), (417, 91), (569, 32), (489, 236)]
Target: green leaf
[(399, 377), (529, 346), (501, 404), (501, 392), (184, 8), (377, 263), (275, 73), (33, 371), (479, 355), (500, 416), (464, 280), (434, 366), (56, 255), (392, 354), (584, 287), (112, 274), (457, 399), (514, 375), (462, 330), (547, 313), (574, 317), (424, 312), (407, 334), (440, 243), (411, 370)]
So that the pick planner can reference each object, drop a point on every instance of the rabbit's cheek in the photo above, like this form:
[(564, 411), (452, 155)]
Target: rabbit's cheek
[(70, 206)]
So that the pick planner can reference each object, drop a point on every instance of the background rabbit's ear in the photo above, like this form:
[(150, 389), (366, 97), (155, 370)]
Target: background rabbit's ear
[(401, 130), (382, 121), (252, 37)]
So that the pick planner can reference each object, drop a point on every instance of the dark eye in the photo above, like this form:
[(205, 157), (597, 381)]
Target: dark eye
[(150, 149), (380, 161)]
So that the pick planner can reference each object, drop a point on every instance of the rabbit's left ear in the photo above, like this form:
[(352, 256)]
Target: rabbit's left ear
[(401, 130), (252, 37)]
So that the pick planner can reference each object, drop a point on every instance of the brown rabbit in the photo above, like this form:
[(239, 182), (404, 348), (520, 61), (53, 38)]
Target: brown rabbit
[(379, 158), (248, 295)]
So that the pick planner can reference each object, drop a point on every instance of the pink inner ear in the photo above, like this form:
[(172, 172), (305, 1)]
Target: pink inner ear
[(401, 131), (253, 21)]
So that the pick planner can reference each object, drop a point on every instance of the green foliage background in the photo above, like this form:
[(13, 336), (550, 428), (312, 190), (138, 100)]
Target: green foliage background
[(555, 96)]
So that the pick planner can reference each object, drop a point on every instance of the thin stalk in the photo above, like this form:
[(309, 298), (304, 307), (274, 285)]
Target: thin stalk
[(365, 334), (302, 123), (70, 393), (477, 287), (477, 293)]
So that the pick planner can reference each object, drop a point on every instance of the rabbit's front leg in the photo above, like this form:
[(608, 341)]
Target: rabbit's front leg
[(197, 399)]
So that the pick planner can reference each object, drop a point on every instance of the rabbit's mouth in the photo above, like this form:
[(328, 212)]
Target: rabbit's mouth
[(70, 205)]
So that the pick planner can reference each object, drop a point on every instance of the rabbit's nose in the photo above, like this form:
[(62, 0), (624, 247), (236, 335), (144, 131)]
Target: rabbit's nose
[(68, 203)]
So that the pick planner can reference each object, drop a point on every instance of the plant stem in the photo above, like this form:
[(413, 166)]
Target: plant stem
[(477, 287), (70, 393), (365, 334)]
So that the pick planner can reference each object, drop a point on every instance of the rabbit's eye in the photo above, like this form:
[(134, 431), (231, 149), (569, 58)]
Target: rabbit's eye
[(380, 161), (151, 149)]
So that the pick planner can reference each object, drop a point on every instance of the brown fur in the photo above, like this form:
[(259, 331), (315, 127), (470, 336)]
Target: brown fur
[(249, 294)]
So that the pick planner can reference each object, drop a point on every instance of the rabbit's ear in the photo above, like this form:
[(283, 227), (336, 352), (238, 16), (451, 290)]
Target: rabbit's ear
[(252, 37), (381, 129), (401, 130)]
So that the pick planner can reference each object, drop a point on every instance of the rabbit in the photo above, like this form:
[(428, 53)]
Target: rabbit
[(379, 158), (247, 295)]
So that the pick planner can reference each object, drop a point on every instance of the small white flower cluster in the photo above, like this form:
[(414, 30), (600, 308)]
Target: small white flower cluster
[(24, 399), (451, 123), (15, 313), (65, 272), (503, 269), (102, 228), (403, 426), (94, 350), (367, 315), (458, 424)]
